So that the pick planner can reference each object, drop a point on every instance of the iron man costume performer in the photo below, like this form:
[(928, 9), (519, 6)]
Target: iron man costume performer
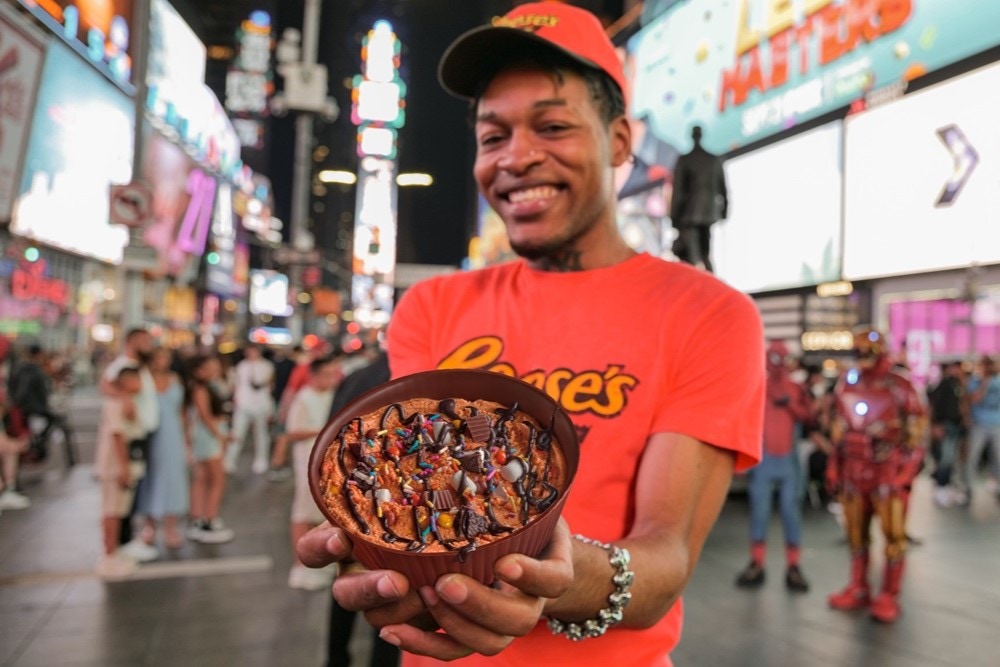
[(878, 436)]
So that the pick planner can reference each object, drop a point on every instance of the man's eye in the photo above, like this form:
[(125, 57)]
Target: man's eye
[(489, 139)]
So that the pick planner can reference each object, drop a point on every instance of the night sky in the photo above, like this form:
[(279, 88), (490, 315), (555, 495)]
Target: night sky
[(435, 223)]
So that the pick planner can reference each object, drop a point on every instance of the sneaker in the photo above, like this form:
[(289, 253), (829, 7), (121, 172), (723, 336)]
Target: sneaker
[(944, 497), (259, 467), (752, 576), (12, 500), (140, 551), (215, 532), (194, 530), (279, 474), (794, 581), (115, 566)]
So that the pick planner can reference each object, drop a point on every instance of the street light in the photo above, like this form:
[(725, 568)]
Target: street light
[(414, 179), (338, 176)]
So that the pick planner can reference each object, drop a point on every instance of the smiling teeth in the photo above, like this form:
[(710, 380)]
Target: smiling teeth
[(531, 194)]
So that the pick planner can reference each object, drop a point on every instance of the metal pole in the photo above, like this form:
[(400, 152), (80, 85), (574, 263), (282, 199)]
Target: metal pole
[(132, 305), (302, 173)]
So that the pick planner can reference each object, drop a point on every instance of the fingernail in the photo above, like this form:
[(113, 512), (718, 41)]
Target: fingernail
[(388, 637), (429, 596), (336, 545), (511, 570), (452, 590), (386, 588)]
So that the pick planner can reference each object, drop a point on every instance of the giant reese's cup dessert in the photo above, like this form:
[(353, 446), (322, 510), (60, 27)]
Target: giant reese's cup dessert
[(430, 476)]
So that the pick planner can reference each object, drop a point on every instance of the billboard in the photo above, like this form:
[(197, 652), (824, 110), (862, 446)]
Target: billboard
[(747, 69), (100, 31), (787, 195), (20, 67), (81, 143), (922, 173), (183, 198), (269, 293)]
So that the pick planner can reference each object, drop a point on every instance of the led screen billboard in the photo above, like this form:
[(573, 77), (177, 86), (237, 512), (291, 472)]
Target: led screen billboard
[(747, 69), (81, 143), (922, 189), (783, 228), (21, 55), (99, 30)]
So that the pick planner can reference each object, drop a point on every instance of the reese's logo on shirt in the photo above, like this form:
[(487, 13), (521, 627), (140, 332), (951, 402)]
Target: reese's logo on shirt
[(602, 392)]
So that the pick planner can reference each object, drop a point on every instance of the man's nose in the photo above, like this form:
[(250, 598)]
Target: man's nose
[(520, 155)]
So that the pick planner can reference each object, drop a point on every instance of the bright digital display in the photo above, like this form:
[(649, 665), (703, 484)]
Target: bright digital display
[(269, 293), (747, 69), (81, 143), (19, 71), (183, 198), (100, 30), (783, 196), (922, 176)]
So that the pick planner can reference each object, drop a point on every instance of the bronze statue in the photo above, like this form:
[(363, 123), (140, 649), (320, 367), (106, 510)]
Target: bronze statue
[(698, 201)]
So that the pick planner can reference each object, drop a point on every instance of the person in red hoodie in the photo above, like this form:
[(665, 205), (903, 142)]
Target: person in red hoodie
[(786, 410)]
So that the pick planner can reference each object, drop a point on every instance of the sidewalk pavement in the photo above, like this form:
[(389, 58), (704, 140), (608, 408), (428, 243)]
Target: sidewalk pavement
[(229, 604)]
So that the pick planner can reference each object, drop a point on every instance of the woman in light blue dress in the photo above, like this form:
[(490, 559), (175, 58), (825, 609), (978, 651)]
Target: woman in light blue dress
[(165, 493)]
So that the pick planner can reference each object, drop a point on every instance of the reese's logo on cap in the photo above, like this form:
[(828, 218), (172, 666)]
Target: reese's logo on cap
[(529, 22)]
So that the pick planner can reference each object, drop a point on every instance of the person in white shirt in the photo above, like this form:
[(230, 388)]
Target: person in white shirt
[(307, 415), (141, 407), (253, 406)]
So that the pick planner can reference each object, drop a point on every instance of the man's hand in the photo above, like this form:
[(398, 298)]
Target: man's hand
[(483, 619), (474, 618)]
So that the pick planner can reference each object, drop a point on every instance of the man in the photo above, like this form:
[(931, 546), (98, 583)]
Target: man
[(947, 426), (341, 626), (698, 201), (659, 365), (30, 388), (252, 408), (307, 415), (984, 434), (143, 407), (878, 435), (786, 411)]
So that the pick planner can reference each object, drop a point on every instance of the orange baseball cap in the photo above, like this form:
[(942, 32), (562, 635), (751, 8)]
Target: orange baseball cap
[(548, 26)]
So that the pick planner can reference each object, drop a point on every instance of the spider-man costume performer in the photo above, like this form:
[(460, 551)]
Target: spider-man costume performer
[(878, 437)]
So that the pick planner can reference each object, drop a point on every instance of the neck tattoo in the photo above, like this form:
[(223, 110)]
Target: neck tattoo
[(565, 261)]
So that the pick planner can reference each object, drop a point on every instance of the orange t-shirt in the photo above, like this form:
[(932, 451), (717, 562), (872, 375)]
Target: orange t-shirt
[(642, 347)]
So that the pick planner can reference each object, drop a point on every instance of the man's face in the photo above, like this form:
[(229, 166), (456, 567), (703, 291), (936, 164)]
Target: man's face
[(544, 160), (325, 378), (142, 345)]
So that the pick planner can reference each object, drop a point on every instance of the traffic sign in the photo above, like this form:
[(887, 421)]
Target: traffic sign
[(131, 204)]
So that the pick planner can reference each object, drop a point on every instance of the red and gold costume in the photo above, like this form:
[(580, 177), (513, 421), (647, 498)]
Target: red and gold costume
[(878, 437)]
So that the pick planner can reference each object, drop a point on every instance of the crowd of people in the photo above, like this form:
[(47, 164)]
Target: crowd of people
[(172, 426)]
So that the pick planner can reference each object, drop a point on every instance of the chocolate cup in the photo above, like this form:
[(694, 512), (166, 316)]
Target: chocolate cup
[(423, 569)]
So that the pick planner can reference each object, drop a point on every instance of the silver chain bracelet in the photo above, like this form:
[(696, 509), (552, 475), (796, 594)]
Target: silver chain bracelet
[(610, 615)]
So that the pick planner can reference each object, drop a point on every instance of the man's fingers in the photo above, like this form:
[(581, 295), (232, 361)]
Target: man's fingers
[(434, 644), (549, 576), (322, 545), (360, 591), (487, 620)]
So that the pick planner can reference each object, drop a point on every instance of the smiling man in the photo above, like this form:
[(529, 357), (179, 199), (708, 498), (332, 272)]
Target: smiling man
[(659, 365)]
